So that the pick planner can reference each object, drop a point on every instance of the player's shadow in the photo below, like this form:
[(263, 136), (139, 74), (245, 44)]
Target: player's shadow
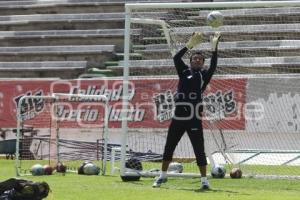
[(132, 183), (215, 190), (211, 190)]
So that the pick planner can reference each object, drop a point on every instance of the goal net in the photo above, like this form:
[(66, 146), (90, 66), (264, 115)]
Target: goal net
[(252, 109), (61, 128)]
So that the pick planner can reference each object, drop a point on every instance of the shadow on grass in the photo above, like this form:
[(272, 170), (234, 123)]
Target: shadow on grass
[(211, 190), (175, 186), (216, 190), (133, 182)]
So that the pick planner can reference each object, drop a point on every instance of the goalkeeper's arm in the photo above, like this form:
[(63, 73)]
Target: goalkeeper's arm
[(178, 62), (195, 40), (214, 41)]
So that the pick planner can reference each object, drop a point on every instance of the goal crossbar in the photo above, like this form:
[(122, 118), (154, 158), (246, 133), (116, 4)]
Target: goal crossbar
[(236, 4)]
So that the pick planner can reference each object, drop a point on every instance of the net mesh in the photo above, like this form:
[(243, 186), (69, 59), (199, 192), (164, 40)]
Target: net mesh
[(252, 104), (61, 130)]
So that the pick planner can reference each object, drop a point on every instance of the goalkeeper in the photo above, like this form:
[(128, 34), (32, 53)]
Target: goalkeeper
[(188, 100)]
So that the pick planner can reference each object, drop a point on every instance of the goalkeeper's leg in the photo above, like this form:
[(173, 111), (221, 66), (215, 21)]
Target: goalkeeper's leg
[(175, 132), (196, 136)]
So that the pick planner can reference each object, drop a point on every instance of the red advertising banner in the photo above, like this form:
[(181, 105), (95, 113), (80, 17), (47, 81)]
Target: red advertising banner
[(151, 102)]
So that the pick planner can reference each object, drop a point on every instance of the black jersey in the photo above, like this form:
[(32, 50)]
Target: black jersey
[(192, 83)]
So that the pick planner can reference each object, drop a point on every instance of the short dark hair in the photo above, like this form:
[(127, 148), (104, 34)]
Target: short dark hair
[(198, 52)]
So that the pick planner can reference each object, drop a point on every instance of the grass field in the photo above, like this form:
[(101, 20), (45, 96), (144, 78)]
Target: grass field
[(79, 187)]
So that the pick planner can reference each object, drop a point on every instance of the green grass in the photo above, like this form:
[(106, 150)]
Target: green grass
[(79, 187)]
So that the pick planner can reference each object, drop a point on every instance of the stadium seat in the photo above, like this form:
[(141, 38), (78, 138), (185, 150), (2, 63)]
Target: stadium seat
[(55, 6), (250, 64), (64, 37), (59, 69), (92, 31), (96, 55)]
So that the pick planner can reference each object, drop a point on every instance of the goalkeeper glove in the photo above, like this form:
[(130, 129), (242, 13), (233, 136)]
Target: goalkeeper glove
[(194, 40), (214, 41)]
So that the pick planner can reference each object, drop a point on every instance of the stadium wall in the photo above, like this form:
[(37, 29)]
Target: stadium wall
[(253, 107), (152, 101)]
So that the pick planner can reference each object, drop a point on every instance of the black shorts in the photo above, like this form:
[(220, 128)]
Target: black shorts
[(194, 129)]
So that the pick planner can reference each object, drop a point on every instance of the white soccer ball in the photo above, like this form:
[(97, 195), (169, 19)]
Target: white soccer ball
[(218, 171), (37, 170), (215, 19), (175, 167), (91, 169)]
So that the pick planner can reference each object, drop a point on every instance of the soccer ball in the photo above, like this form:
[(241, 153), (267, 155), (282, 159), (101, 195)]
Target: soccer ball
[(133, 165), (91, 169), (48, 170), (61, 168), (236, 173), (80, 168), (218, 171), (175, 167), (215, 19), (37, 170)]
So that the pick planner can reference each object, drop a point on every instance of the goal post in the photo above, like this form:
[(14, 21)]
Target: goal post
[(49, 130), (251, 105)]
